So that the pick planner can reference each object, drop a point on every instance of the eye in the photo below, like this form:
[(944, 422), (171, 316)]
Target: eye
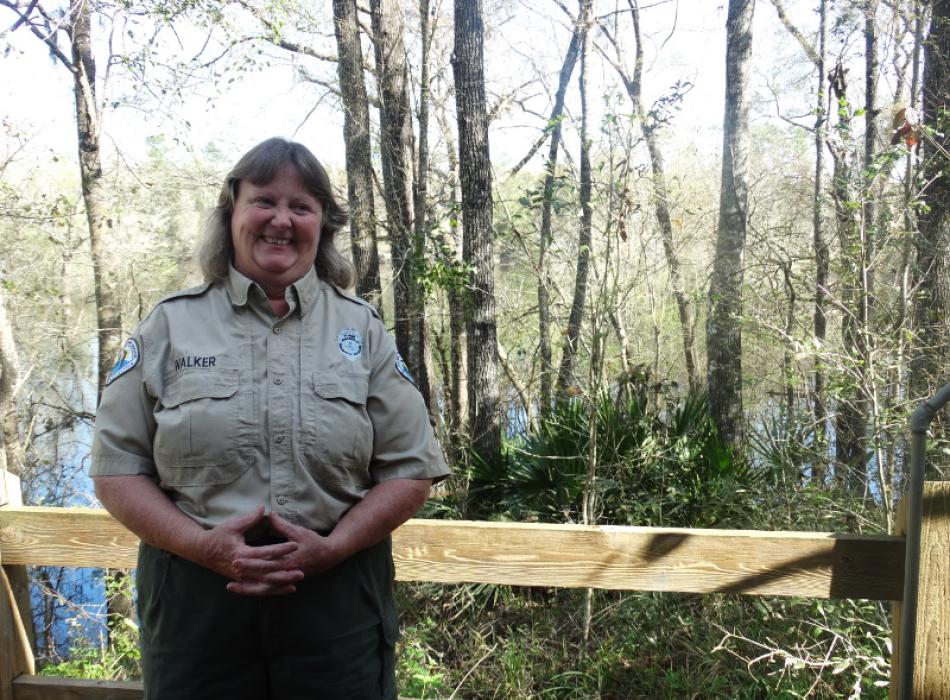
[(262, 202), (301, 208)]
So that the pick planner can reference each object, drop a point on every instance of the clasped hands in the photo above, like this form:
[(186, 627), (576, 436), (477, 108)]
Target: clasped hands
[(267, 570)]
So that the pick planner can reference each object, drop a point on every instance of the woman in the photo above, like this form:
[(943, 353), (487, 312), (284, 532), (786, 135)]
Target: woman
[(263, 438)]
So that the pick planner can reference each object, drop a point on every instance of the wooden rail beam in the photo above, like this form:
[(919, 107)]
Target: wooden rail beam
[(44, 688), (817, 565)]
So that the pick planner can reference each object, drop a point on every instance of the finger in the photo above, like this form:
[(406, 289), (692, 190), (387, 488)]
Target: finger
[(286, 528), (259, 589), (270, 551), (260, 569)]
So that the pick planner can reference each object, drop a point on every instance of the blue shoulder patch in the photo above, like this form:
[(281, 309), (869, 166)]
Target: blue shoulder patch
[(403, 370), (127, 360)]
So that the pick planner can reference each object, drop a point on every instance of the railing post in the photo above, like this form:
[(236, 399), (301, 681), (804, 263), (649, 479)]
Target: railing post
[(897, 608), (932, 657), (16, 653), (930, 678)]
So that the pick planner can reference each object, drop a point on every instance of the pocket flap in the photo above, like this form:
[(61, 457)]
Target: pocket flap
[(337, 385), (202, 384)]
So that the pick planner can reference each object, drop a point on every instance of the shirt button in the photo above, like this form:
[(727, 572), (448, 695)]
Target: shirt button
[(279, 438), (278, 381), (277, 330), (281, 500)]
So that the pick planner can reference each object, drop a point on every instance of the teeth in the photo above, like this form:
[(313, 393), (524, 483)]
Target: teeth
[(276, 241)]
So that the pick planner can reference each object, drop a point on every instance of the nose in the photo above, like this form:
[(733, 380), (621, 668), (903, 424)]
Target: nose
[(281, 218)]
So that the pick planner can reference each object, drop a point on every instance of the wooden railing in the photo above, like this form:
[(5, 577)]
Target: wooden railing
[(808, 564)]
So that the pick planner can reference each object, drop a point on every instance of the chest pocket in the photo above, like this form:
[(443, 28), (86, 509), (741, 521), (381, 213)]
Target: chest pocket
[(337, 432), (196, 438)]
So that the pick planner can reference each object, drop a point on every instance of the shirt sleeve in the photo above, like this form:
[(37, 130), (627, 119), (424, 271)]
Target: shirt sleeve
[(125, 424), (404, 445)]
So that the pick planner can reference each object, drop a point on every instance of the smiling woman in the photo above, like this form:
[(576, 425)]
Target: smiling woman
[(275, 229), (262, 441)]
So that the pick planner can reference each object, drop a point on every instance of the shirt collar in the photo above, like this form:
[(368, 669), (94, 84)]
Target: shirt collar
[(308, 288)]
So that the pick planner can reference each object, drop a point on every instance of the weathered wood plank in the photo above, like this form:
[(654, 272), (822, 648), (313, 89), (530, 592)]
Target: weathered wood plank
[(65, 537), (621, 558), (652, 559), (16, 657), (43, 688), (932, 642)]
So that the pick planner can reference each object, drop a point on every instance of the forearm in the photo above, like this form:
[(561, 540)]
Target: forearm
[(138, 503), (387, 506)]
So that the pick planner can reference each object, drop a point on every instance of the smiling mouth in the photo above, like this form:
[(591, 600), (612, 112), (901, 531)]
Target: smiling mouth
[(276, 241)]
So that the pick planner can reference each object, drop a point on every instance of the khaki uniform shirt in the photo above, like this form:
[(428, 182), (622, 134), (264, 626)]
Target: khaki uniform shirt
[(227, 406)]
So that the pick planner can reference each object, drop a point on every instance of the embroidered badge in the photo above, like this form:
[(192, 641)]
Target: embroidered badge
[(128, 360), (351, 343), (403, 370)]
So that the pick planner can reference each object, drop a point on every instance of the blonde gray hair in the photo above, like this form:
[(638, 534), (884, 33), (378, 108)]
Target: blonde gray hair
[(259, 166)]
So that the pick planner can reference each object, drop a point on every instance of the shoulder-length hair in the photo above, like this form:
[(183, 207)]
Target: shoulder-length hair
[(259, 166)]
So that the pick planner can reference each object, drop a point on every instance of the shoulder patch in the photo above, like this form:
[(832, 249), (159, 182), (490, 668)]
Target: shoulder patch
[(403, 370), (127, 360)]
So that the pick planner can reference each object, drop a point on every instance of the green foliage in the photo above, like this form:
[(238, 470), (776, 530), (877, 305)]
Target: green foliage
[(520, 643), (416, 673), (659, 461), (117, 659)]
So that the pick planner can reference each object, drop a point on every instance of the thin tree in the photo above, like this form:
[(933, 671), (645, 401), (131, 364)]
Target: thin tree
[(76, 28), (649, 126), (852, 407), (819, 243), (358, 147), (468, 66), (724, 325), (396, 139), (566, 379), (11, 453), (547, 207), (457, 374), (932, 271)]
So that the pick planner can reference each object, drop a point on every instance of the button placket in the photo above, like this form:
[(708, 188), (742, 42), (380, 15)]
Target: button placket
[(280, 413)]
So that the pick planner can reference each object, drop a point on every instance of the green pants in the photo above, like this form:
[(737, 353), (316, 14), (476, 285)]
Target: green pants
[(334, 638)]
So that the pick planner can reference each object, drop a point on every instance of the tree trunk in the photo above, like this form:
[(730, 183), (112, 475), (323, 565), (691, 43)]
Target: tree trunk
[(566, 379), (11, 458), (357, 143), (458, 371), (396, 155), (108, 304), (852, 408), (661, 200), (931, 362), (478, 248), (822, 255), (547, 207), (724, 326), (11, 454)]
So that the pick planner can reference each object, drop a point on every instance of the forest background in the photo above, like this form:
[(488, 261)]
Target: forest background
[(669, 262)]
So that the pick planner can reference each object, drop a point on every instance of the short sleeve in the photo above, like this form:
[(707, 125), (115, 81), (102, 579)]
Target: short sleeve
[(404, 445), (125, 424)]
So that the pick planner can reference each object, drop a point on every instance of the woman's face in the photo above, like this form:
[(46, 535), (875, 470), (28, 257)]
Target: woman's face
[(275, 229)]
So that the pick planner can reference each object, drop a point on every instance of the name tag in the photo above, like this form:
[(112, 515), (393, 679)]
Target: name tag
[(190, 361)]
